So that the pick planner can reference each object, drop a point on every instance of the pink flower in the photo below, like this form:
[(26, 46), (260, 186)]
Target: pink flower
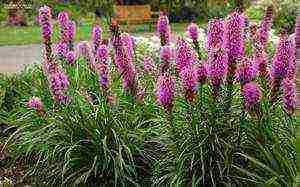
[(103, 53), (71, 31), (164, 29), (234, 37), (193, 31), (59, 84), (215, 36), (201, 72), (35, 103), (297, 32), (184, 55), (127, 43), (45, 22), (103, 71), (265, 26), (148, 64), (165, 91), (71, 57), (289, 95), (247, 71), (63, 18), (218, 67), (166, 53), (96, 36), (189, 83), (252, 95), (61, 49)]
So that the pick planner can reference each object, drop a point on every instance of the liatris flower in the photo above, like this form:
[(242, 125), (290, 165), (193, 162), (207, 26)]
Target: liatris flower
[(265, 27), (115, 31), (283, 57), (200, 73), (218, 67), (127, 70), (166, 56), (297, 34), (102, 53), (96, 36), (184, 55), (164, 29), (59, 84), (193, 31), (215, 35), (63, 17), (71, 57), (252, 95), (148, 64), (71, 31), (84, 50), (63, 20), (246, 72), (127, 43), (45, 22), (261, 61), (102, 70), (165, 91), (289, 95), (35, 103), (291, 74), (234, 37), (189, 83), (61, 49)]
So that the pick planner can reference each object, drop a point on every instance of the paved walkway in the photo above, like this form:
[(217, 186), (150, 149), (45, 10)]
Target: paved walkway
[(14, 58)]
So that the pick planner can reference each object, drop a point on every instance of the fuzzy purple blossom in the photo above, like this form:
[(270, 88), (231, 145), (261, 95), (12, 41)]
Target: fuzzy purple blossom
[(71, 57), (164, 29), (96, 36), (184, 55), (265, 27), (292, 68), (148, 64), (234, 37), (102, 53), (283, 57), (45, 22), (189, 83), (297, 34), (218, 67), (128, 45), (193, 31), (252, 95), (61, 49), (289, 95), (63, 17), (103, 72), (215, 35), (166, 56), (35, 103), (247, 71), (165, 91), (71, 31), (63, 20), (84, 50), (59, 84), (200, 73)]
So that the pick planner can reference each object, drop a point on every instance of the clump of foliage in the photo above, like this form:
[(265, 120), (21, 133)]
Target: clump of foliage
[(116, 112)]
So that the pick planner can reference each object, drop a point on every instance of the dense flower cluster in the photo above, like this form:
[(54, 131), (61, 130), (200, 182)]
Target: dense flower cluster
[(35, 103), (193, 31), (148, 64), (234, 37), (265, 27), (103, 72), (297, 33), (61, 49), (102, 53), (201, 72), (96, 36), (289, 95), (247, 71), (45, 22), (261, 60), (71, 57), (71, 31), (127, 43), (63, 20), (189, 83), (218, 67), (59, 84), (184, 55), (252, 95), (166, 56), (164, 29), (165, 91), (215, 36)]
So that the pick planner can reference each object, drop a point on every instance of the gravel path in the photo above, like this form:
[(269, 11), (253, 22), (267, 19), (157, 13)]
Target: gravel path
[(14, 58)]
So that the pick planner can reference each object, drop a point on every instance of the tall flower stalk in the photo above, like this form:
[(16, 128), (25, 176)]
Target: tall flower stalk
[(164, 29), (96, 37), (193, 33), (46, 25), (265, 27)]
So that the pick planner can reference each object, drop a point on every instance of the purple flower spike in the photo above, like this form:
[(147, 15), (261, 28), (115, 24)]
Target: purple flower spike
[(63, 18), (252, 95), (45, 22), (166, 53), (289, 95), (71, 57), (265, 27), (102, 54), (246, 72), (61, 49), (59, 84), (234, 37), (200, 73), (102, 70), (292, 69), (218, 67), (215, 36), (189, 83), (148, 64), (193, 31), (297, 34), (128, 44), (71, 31), (282, 58), (184, 55), (164, 29), (165, 91), (35, 103), (96, 36)]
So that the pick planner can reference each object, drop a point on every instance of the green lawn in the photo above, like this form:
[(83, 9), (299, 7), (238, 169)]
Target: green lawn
[(31, 34)]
